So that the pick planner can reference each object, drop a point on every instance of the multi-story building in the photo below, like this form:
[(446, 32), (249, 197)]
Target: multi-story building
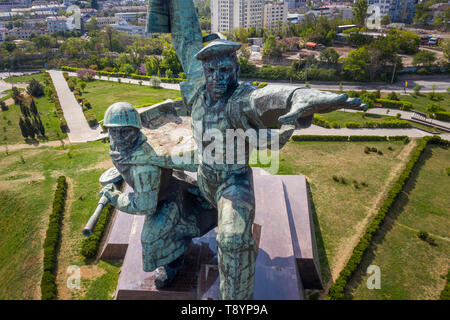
[(24, 33), (234, 14), (402, 10), (275, 14), (292, 4), (6, 6), (127, 16), (105, 21), (55, 24), (123, 26)]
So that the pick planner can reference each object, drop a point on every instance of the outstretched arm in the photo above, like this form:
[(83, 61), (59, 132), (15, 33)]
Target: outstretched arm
[(187, 41)]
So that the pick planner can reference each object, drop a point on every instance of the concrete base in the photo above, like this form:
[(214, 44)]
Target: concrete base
[(287, 260)]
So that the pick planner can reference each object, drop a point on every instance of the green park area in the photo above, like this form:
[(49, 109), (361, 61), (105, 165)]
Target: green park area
[(10, 132), (101, 94), (26, 78), (412, 267), (421, 100), (343, 208), (27, 186)]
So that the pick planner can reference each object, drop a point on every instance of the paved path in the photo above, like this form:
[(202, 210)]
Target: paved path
[(54, 143), (79, 130), (441, 83), (320, 131), (406, 115), (173, 86)]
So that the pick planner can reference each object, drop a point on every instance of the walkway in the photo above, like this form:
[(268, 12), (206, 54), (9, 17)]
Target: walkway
[(79, 130), (320, 131)]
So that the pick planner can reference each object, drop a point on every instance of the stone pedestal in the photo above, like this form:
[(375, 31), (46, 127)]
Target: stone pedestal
[(286, 262)]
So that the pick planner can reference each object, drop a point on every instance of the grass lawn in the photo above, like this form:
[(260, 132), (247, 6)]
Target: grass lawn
[(26, 195), (9, 123), (26, 78), (412, 268), (421, 101), (342, 117), (341, 209), (101, 94)]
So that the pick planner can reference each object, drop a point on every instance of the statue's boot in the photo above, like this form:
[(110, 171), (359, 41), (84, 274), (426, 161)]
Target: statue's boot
[(165, 275), (237, 273)]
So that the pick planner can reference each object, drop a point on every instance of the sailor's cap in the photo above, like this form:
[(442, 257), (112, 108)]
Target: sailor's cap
[(216, 48)]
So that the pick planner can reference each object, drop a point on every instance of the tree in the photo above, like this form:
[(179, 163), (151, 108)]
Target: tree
[(91, 25), (127, 68), (48, 92), (29, 127), (170, 61), (329, 56), (445, 46), (169, 73), (24, 110), (23, 128), (355, 65), (3, 106), (424, 58), (9, 46), (360, 12), (35, 88), (271, 47), (386, 20), (33, 108), (16, 95), (82, 85)]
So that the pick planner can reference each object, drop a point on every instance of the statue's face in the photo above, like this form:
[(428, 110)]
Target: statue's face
[(123, 137), (221, 73)]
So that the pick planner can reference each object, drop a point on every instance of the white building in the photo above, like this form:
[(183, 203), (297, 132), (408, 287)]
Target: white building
[(234, 14), (275, 14), (105, 21), (55, 24), (123, 26), (24, 33), (127, 16)]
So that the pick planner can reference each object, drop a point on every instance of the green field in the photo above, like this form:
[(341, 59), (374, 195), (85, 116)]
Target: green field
[(9, 123), (26, 78), (342, 117), (101, 94), (420, 102), (341, 209), (410, 267), (26, 195)]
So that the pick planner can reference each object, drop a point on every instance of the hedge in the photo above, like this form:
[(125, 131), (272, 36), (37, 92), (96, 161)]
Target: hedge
[(337, 288), (52, 238), (126, 75), (395, 104), (59, 112), (347, 138), (442, 115), (319, 138), (379, 124), (89, 246), (445, 293)]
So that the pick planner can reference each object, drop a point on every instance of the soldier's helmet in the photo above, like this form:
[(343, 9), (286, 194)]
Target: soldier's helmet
[(122, 114)]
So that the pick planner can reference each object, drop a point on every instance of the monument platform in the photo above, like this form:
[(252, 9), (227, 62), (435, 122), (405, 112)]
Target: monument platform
[(286, 263)]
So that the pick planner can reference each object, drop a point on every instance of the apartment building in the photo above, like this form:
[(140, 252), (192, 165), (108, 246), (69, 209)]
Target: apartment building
[(234, 14), (292, 4), (275, 14), (55, 24)]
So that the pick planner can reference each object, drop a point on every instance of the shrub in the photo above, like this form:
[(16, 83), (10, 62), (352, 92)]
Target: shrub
[(319, 138), (380, 152), (35, 88), (352, 125), (52, 238), (447, 170), (368, 138), (155, 82), (442, 115), (402, 105), (89, 246), (335, 178), (86, 74), (423, 235), (3, 106), (392, 96), (367, 150), (445, 293), (318, 120), (90, 118)]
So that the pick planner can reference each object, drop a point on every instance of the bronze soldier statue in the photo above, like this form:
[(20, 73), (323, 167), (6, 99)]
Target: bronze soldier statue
[(217, 103)]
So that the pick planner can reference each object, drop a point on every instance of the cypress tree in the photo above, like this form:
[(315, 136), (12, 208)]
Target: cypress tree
[(24, 110), (33, 107), (35, 126), (41, 127), (30, 129), (23, 128)]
